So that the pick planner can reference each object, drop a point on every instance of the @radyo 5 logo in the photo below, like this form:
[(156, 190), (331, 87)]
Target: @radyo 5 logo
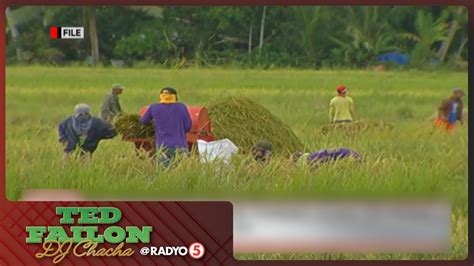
[(80, 236), (196, 251)]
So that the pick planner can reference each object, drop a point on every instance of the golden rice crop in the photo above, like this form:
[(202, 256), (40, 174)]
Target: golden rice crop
[(354, 127)]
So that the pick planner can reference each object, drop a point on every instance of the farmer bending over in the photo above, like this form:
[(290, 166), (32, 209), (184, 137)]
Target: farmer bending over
[(83, 131), (450, 111), (111, 105), (324, 156), (172, 122), (341, 107)]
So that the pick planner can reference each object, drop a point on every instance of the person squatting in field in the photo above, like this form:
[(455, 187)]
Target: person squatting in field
[(262, 151), (172, 121), (111, 104), (83, 131), (450, 111), (341, 107)]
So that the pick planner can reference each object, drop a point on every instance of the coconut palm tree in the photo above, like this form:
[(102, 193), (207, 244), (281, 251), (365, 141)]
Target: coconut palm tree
[(428, 32), (308, 19), (16, 17), (367, 34), (89, 15), (454, 26)]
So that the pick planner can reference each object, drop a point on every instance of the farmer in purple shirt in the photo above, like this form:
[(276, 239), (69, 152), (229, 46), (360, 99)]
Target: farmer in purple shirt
[(172, 122)]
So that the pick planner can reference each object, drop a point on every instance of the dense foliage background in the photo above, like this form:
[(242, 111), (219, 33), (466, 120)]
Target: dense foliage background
[(257, 36)]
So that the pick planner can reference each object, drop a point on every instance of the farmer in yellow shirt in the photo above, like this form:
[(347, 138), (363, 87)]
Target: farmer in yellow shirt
[(341, 107)]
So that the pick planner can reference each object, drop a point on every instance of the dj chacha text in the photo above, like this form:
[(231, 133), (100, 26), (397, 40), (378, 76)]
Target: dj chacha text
[(82, 238)]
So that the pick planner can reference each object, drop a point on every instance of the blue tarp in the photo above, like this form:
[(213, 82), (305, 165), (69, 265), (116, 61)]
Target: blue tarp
[(394, 57)]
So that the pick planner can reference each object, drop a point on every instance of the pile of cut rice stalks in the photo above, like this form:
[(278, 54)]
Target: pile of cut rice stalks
[(129, 126), (245, 123)]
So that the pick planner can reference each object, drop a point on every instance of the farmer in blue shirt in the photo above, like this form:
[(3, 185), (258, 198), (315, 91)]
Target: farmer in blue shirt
[(172, 122), (83, 131)]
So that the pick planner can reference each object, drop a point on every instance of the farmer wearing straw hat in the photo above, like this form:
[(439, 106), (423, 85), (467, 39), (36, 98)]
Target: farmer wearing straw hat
[(83, 131), (341, 107), (450, 111), (172, 121), (111, 105)]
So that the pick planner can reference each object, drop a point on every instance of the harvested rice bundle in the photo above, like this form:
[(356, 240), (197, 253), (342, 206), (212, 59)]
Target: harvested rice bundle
[(245, 122), (130, 127), (354, 127)]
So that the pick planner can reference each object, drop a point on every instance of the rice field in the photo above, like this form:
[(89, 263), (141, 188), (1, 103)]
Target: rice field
[(409, 159)]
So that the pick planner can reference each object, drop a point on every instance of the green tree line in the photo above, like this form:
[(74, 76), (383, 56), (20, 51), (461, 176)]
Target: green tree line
[(248, 36)]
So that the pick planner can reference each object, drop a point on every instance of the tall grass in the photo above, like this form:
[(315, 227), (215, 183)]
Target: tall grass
[(412, 160)]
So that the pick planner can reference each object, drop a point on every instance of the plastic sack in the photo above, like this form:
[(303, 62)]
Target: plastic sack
[(220, 149)]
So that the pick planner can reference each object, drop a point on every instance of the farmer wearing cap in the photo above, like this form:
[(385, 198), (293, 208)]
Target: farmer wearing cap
[(111, 105), (450, 111), (172, 121), (83, 131), (341, 107), (324, 156)]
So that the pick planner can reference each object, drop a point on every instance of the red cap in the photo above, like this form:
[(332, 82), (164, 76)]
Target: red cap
[(341, 89)]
